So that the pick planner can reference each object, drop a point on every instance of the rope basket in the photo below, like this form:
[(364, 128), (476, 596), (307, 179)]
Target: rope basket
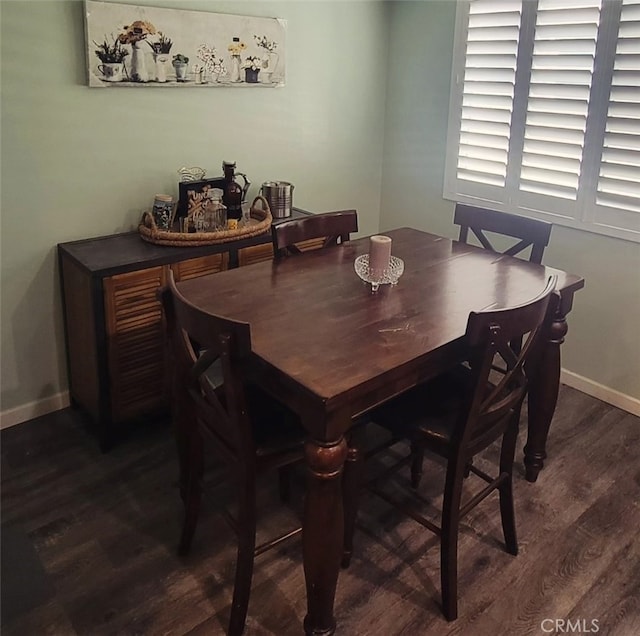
[(259, 222)]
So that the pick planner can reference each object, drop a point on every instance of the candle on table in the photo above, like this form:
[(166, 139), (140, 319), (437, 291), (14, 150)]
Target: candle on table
[(379, 255)]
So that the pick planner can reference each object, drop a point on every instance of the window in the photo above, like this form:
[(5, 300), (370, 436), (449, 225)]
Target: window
[(545, 111)]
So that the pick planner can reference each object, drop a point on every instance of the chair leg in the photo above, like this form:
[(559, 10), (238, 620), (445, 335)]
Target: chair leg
[(351, 481), (417, 459), (284, 483), (449, 539), (507, 510), (191, 490), (245, 556)]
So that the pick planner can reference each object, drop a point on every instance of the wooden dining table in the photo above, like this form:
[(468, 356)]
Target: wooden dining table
[(331, 349)]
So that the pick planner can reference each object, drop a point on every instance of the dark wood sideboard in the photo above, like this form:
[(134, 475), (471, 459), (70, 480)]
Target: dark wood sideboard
[(113, 321)]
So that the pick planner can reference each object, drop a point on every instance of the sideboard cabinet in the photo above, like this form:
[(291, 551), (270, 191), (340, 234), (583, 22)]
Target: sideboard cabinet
[(113, 321)]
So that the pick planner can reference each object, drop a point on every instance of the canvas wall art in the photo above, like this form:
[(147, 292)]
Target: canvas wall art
[(130, 45)]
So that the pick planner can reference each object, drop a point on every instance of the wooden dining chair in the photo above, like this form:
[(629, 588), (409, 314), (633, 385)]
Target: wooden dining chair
[(531, 232), (250, 431), (460, 414), (331, 228)]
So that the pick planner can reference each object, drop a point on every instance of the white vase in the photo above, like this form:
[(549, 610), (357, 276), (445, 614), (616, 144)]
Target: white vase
[(235, 69), (202, 76), (111, 72), (272, 63), (161, 60), (139, 72)]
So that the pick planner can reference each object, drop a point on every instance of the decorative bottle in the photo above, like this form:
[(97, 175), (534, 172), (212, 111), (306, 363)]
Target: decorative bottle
[(235, 49), (215, 212), (233, 192)]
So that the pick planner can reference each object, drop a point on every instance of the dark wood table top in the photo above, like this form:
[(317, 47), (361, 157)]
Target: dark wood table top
[(314, 321)]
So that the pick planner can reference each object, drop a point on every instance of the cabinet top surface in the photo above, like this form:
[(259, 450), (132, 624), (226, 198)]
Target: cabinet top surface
[(121, 252)]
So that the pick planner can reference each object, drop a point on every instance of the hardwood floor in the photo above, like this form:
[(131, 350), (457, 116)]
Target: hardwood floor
[(96, 534)]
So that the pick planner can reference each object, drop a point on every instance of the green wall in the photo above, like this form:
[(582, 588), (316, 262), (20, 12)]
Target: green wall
[(603, 343), (361, 123), (80, 162)]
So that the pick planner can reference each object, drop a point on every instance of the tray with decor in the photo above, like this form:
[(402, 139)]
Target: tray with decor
[(256, 222)]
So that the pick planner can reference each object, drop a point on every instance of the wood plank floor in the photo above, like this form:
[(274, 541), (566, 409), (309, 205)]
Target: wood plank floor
[(103, 529)]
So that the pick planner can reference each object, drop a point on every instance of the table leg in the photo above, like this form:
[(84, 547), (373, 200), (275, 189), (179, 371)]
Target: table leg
[(544, 384), (351, 482), (322, 534)]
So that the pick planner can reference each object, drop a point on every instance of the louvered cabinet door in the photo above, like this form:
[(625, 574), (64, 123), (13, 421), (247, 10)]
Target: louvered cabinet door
[(201, 266), (135, 342), (258, 253), (255, 254)]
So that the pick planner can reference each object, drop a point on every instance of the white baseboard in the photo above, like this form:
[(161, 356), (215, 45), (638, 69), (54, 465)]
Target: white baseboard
[(25, 412), (604, 393)]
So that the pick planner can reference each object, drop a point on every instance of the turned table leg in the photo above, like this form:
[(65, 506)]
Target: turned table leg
[(322, 532), (544, 384)]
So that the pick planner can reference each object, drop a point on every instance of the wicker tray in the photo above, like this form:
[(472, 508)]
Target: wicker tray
[(259, 222)]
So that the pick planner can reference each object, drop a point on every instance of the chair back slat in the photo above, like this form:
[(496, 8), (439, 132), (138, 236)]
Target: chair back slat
[(531, 232), (202, 347), (512, 335), (333, 227)]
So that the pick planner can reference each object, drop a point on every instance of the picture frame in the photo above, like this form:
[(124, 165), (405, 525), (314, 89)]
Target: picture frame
[(196, 187), (140, 46)]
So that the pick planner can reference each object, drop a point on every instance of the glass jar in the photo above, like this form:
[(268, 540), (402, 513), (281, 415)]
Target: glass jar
[(163, 211), (215, 212)]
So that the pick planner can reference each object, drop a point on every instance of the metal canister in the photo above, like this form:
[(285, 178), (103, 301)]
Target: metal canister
[(279, 196)]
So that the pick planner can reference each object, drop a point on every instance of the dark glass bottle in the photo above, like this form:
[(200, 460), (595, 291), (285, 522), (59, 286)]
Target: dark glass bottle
[(233, 191)]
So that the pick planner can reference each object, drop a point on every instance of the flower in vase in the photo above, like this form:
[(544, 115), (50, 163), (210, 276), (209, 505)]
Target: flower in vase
[(162, 45), (236, 47), (136, 32), (211, 62), (111, 53), (180, 60), (268, 45), (252, 62)]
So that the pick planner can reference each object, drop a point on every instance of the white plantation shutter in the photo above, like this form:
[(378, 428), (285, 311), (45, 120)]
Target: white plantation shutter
[(559, 86), (487, 102), (619, 175), (545, 111)]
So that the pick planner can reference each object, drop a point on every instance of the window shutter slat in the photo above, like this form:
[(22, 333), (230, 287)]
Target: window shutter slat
[(492, 141), (551, 150)]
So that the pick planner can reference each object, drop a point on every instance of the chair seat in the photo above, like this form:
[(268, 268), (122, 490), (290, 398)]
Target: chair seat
[(429, 412), (430, 408), (276, 429)]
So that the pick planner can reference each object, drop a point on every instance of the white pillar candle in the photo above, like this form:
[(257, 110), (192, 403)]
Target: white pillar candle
[(379, 255)]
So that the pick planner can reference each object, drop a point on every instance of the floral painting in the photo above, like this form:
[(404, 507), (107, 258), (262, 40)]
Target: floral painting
[(130, 45)]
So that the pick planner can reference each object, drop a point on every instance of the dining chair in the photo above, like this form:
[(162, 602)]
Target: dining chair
[(249, 430), (459, 415), (531, 232), (331, 227)]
